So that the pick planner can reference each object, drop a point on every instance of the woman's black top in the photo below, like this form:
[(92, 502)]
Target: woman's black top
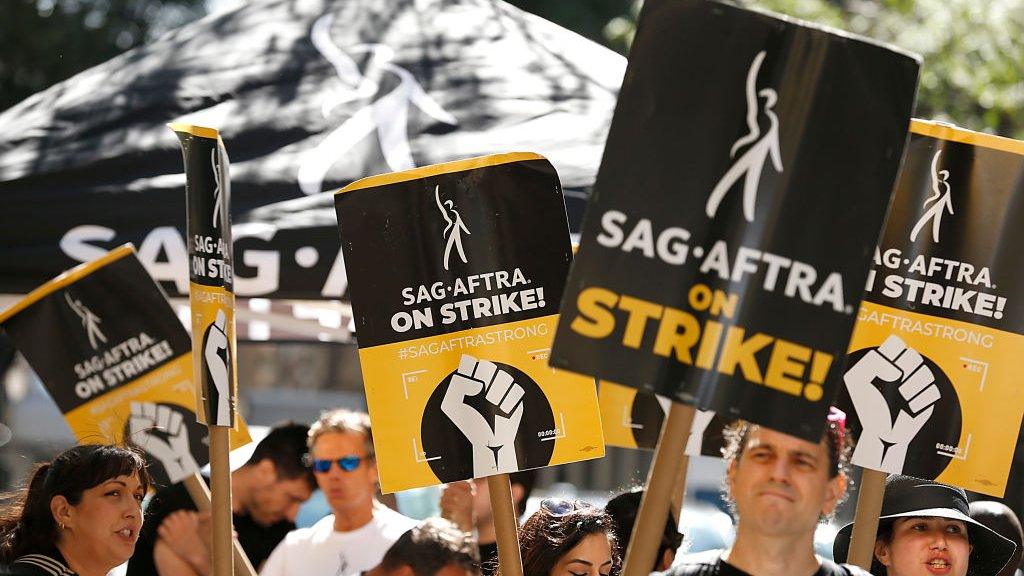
[(50, 563)]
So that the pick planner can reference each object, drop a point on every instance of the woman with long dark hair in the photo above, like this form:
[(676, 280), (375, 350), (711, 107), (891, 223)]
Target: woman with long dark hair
[(79, 515), (568, 538)]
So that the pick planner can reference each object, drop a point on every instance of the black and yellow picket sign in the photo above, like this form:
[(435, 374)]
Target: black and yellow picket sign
[(746, 177), (116, 360), (633, 418), (456, 271), (212, 300), (210, 260), (932, 381)]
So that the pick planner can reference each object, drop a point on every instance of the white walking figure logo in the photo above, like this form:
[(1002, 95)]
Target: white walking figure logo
[(453, 229), (90, 321), (942, 198), (387, 115), (751, 163), (216, 187)]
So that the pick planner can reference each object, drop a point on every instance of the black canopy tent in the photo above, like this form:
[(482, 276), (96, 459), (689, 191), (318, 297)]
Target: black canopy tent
[(309, 95)]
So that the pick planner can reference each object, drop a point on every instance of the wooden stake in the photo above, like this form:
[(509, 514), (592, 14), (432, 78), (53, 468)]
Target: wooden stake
[(506, 526), (679, 490), (201, 496), (220, 489), (865, 527), (654, 506)]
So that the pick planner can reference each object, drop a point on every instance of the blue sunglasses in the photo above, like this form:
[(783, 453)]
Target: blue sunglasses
[(346, 463)]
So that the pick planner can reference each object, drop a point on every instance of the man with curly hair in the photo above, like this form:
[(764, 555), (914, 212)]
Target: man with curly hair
[(779, 487)]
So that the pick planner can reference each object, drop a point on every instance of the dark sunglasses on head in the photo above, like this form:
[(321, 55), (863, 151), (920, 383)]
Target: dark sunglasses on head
[(346, 463)]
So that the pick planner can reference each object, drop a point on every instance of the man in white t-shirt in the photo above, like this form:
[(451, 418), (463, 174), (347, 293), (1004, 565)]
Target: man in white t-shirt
[(356, 536)]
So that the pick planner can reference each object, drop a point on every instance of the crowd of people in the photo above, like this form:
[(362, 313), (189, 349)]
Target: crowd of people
[(82, 514)]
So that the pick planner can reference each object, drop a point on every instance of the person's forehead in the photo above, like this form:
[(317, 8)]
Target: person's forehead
[(938, 519), (780, 442), (297, 487), (453, 570), (343, 443), (132, 481)]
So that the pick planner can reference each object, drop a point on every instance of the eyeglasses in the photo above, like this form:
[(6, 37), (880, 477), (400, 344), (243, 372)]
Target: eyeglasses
[(346, 463), (559, 507)]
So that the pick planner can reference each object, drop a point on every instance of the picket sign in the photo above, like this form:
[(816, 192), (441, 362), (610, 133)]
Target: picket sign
[(212, 301), (729, 237)]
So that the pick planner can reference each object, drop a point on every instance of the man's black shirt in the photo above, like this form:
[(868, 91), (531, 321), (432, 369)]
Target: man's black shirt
[(711, 564), (257, 541)]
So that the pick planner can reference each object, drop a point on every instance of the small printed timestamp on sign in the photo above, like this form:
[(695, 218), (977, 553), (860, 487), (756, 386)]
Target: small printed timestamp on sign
[(548, 433)]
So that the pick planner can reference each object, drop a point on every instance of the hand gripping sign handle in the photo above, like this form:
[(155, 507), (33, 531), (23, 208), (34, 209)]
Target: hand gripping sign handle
[(505, 526), (201, 496), (865, 520), (654, 506)]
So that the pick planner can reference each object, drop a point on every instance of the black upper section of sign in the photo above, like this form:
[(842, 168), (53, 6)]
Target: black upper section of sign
[(984, 230), (394, 238), (209, 226), (122, 301), (842, 107)]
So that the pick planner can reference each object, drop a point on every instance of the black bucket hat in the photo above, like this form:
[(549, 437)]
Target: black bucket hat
[(906, 496)]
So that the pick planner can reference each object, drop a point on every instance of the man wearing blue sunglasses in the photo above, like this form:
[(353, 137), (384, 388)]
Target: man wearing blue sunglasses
[(360, 530)]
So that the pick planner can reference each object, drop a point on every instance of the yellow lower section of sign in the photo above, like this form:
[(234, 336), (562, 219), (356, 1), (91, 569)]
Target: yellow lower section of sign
[(616, 403), (157, 411), (474, 403), (213, 330), (969, 373)]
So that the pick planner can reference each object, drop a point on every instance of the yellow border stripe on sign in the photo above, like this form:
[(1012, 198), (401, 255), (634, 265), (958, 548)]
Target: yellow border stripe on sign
[(957, 134), (435, 169), (201, 131), (69, 277)]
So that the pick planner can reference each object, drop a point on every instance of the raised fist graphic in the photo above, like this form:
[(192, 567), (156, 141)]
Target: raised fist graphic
[(493, 448), (701, 420), (161, 431), (216, 340), (887, 434)]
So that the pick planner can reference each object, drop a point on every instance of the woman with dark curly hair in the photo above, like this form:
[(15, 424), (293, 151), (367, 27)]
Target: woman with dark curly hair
[(80, 514), (568, 538)]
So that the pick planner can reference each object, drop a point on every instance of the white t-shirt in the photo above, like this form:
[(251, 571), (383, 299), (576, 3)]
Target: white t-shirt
[(320, 551)]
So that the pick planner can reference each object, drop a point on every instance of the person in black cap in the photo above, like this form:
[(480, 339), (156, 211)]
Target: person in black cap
[(925, 530), (624, 508), (1004, 521)]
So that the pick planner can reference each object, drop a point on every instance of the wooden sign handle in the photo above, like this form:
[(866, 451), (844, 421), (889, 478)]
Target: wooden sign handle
[(654, 506), (679, 490), (865, 520), (506, 526), (220, 490)]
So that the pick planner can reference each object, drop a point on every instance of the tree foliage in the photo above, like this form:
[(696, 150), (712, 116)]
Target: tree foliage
[(45, 41)]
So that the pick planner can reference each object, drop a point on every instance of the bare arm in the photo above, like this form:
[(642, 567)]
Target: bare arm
[(170, 564)]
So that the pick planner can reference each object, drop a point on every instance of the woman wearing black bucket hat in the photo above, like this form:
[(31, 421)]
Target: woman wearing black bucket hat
[(925, 530)]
